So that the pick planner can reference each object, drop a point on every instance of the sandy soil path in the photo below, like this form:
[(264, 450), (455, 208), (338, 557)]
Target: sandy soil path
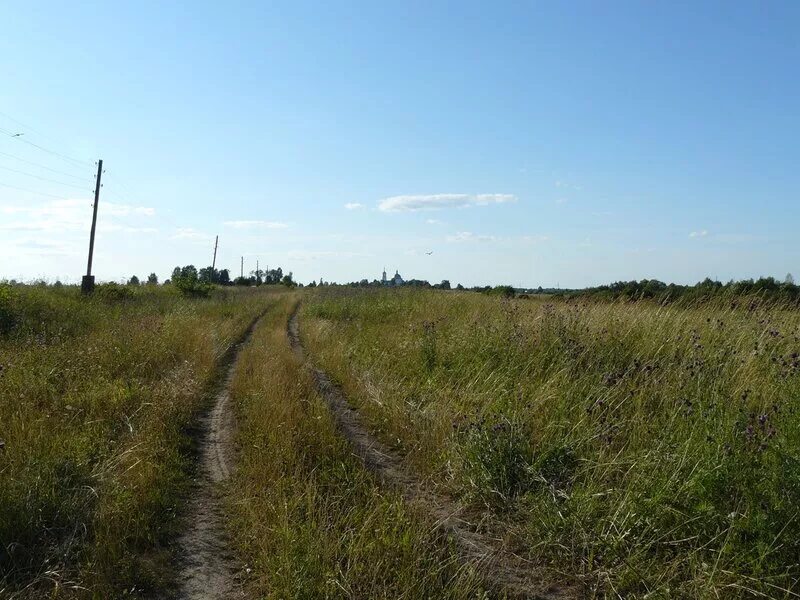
[(207, 566)]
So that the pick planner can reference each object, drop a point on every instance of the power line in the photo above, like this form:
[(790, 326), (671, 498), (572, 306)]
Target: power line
[(21, 124), (160, 215), (42, 178), (34, 164), (17, 136), (122, 183), (21, 189)]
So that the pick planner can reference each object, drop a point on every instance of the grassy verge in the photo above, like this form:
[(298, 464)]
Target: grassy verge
[(652, 451), (306, 517), (95, 396)]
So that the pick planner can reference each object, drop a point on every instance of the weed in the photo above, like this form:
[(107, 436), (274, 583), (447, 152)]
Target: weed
[(496, 462)]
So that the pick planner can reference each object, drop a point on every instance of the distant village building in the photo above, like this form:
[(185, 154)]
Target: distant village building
[(396, 280)]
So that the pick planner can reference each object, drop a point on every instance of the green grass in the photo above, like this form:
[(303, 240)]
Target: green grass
[(95, 397), (306, 516), (647, 451), (643, 451)]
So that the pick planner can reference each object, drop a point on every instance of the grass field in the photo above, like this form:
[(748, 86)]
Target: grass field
[(305, 514), (624, 449), (642, 450), (95, 398)]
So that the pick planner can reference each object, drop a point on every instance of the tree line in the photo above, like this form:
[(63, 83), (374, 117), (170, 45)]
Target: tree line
[(653, 289), (191, 281)]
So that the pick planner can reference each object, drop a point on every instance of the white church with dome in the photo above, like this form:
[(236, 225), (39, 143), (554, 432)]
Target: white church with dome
[(396, 280)]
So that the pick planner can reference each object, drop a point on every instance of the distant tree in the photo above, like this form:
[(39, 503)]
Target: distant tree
[(207, 274), (418, 283), (224, 277), (459, 287), (188, 282), (152, 279), (506, 291), (258, 275), (273, 276), (133, 280), (445, 285), (189, 272), (789, 279), (287, 280), (313, 283)]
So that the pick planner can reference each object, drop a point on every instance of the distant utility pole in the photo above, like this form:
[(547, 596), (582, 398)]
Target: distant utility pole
[(87, 283), (214, 262), (258, 276), (241, 272)]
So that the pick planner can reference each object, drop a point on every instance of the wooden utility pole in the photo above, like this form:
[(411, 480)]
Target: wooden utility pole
[(214, 262), (258, 275), (87, 283), (241, 272)]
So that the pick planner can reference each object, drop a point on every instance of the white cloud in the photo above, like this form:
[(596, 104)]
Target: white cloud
[(433, 221), (439, 201), (468, 236), (60, 216), (36, 247), (353, 206), (568, 185), (189, 233), (698, 234), (255, 225)]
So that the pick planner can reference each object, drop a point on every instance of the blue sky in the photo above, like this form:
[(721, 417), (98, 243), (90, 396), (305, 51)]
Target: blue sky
[(531, 143)]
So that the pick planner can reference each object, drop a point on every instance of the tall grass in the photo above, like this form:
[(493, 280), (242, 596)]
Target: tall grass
[(95, 397), (651, 451), (306, 516)]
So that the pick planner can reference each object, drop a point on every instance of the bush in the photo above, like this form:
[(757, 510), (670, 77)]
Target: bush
[(497, 462), (505, 291), (8, 316), (112, 292), (188, 283)]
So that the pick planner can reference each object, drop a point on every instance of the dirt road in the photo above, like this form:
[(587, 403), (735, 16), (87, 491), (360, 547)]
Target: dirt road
[(207, 566)]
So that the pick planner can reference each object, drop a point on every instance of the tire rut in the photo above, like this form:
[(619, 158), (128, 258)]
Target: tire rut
[(509, 574), (207, 568)]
